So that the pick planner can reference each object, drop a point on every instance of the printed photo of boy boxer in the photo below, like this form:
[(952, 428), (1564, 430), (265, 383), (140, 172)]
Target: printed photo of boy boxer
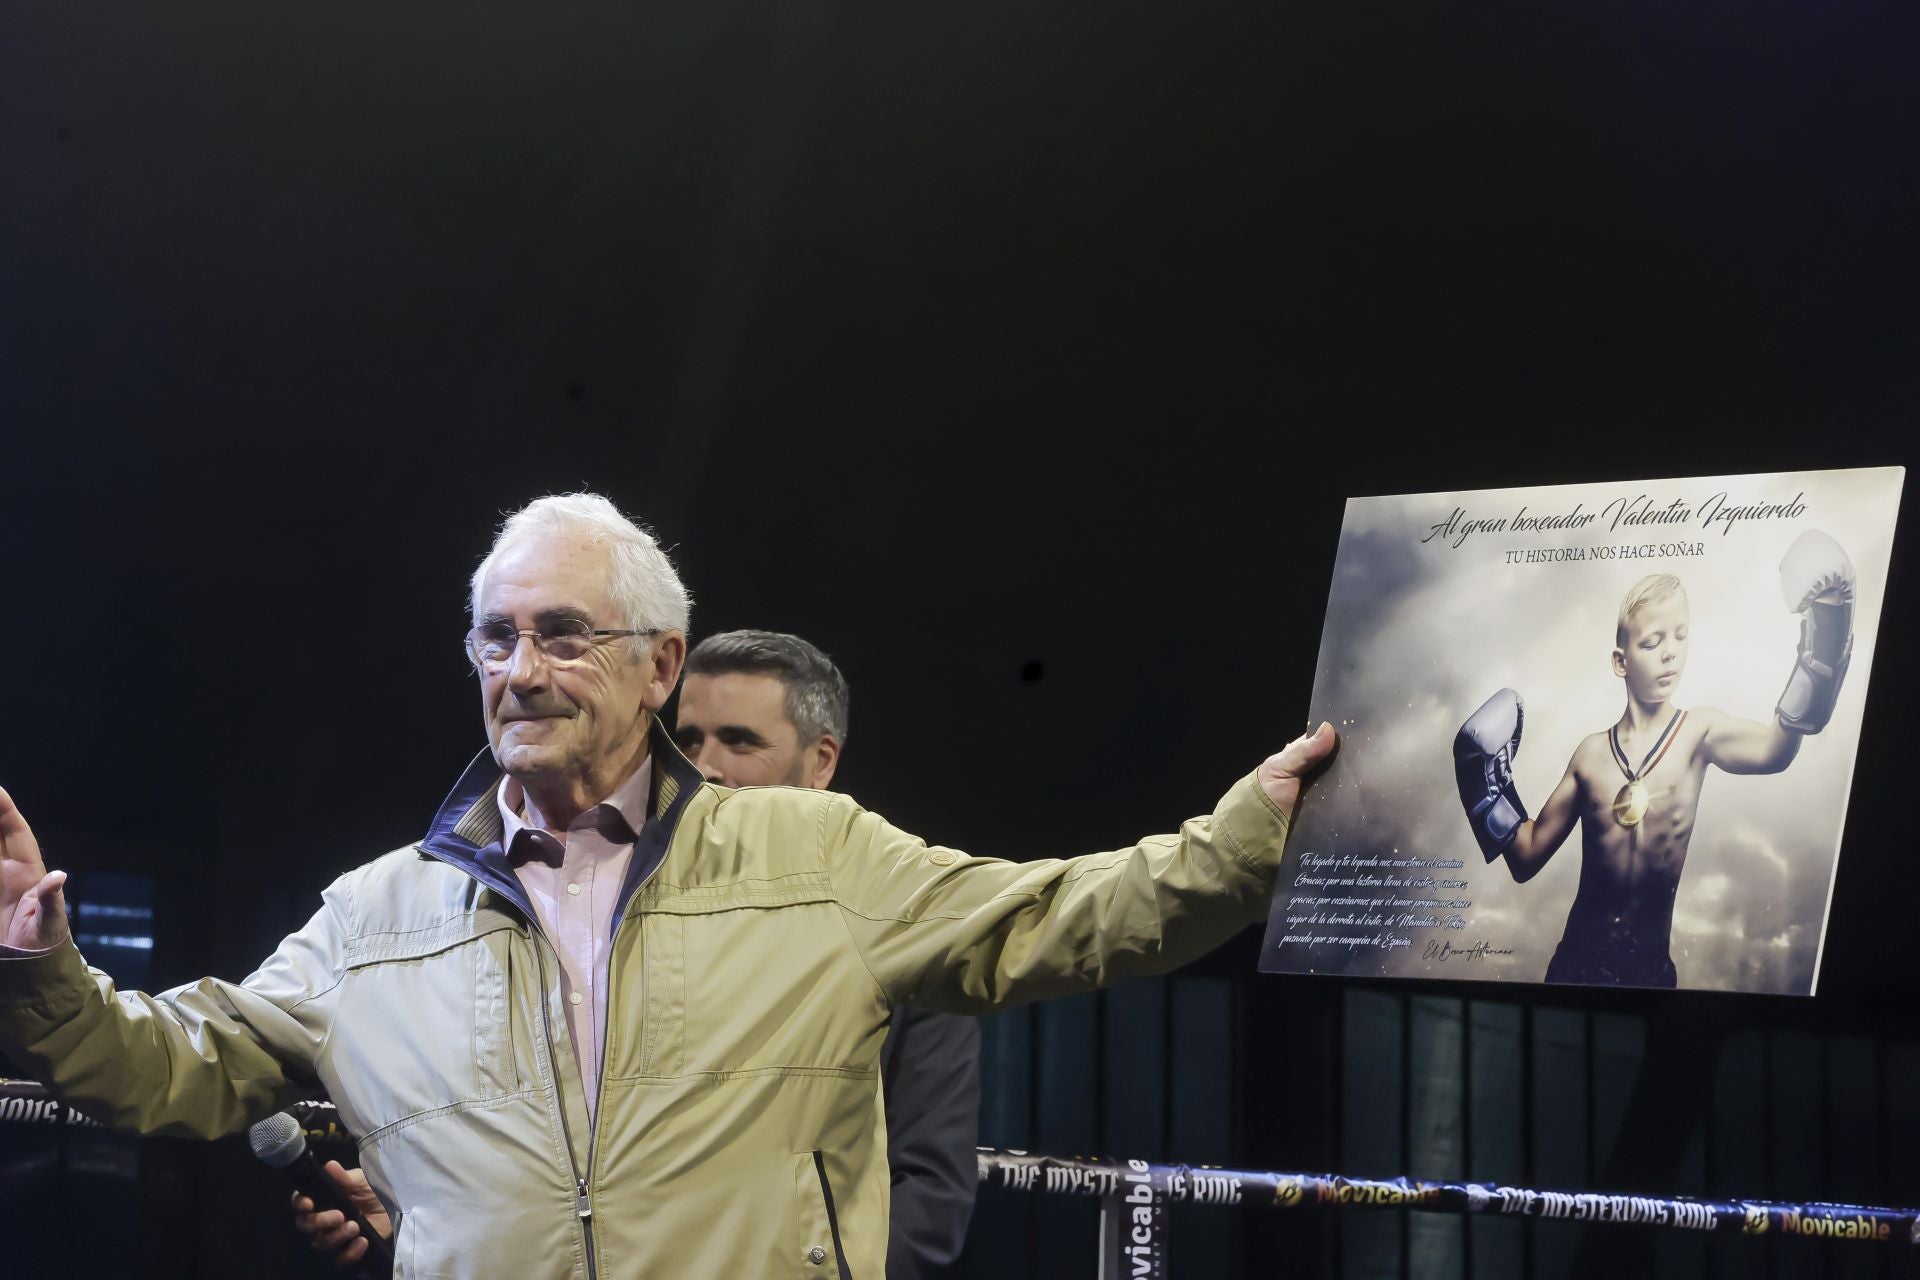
[(1634, 787)]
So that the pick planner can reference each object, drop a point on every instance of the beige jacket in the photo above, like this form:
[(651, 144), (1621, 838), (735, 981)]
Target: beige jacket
[(765, 935)]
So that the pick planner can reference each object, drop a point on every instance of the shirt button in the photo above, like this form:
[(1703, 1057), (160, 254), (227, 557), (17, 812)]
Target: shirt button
[(574, 889), (816, 1255), (575, 998), (940, 858)]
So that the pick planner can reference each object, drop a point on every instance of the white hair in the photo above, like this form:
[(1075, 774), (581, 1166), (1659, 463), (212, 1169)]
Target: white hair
[(642, 583)]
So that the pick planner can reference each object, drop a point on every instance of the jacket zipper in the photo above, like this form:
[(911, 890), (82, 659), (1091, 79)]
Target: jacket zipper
[(581, 1207), (593, 1134)]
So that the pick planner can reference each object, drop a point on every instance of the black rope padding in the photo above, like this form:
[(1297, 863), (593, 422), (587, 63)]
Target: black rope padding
[(1071, 1175), (25, 1102)]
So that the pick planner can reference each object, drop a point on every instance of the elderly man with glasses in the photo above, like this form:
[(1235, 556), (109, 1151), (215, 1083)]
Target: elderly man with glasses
[(606, 1018)]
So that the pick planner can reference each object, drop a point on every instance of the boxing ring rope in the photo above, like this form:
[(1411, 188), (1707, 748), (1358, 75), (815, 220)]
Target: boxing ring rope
[(1134, 1195)]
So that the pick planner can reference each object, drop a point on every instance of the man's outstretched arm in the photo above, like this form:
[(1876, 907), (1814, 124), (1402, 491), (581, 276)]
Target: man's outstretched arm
[(942, 930), (200, 1061)]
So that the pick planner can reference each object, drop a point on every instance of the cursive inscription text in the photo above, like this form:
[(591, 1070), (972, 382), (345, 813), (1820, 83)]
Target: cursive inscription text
[(1441, 949)]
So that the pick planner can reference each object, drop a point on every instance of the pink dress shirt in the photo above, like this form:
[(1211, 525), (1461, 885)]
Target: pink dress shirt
[(573, 878)]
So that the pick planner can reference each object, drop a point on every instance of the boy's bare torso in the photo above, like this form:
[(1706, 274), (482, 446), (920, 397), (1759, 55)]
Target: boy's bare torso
[(1629, 875)]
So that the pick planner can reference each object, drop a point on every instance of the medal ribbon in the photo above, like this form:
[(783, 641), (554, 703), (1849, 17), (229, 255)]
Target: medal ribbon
[(1654, 756)]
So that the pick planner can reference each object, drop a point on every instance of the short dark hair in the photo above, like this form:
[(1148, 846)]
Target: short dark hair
[(817, 694)]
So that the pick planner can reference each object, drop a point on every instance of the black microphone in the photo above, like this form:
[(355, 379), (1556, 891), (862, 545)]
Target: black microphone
[(282, 1142)]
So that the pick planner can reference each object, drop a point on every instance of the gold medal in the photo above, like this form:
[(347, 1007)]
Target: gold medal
[(1631, 804)]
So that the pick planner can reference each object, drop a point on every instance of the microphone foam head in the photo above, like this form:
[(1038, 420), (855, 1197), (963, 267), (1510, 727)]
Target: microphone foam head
[(278, 1140)]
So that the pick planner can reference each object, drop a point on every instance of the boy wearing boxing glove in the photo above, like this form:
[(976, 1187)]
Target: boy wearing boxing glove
[(1634, 787)]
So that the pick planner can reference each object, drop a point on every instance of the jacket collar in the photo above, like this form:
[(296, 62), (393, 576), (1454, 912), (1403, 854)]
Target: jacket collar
[(466, 831)]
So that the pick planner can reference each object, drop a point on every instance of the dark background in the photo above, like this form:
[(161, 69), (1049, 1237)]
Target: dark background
[(1020, 354)]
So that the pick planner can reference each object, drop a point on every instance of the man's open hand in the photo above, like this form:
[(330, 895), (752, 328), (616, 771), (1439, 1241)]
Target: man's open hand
[(33, 911), (329, 1230), (1285, 773)]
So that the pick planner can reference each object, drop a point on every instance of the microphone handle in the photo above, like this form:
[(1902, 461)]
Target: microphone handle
[(311, 1177)]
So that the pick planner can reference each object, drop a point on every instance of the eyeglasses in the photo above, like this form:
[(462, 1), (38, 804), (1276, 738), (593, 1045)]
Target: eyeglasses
[(490, 645)]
